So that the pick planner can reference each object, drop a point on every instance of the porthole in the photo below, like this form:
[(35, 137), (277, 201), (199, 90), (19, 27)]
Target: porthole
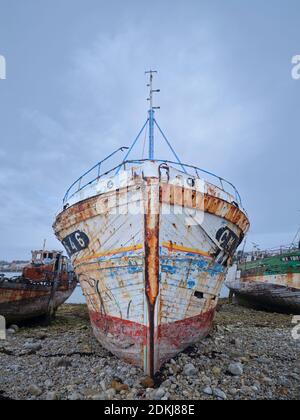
[(110, 184)]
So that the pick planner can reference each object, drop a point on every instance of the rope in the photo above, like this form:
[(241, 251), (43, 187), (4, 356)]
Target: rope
[(170, 146), (296, 236), (144, 145), (132, 146)]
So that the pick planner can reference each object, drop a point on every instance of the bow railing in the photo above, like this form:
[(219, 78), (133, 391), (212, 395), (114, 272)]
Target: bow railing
[(194, 171), (79, 184)]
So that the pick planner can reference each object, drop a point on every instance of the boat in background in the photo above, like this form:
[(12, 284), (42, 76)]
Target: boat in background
[(268, 280), (151, 241), (45, 284)]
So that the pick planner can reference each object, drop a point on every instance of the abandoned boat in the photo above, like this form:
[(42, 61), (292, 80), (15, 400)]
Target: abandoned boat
[(268, 280), (150, 241), (45, 284)]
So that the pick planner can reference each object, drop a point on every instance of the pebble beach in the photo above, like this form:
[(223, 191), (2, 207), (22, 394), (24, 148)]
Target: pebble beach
[(248, 355)]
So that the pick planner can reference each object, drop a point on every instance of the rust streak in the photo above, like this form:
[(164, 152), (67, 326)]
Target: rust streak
[(174, 195), (151, 261)]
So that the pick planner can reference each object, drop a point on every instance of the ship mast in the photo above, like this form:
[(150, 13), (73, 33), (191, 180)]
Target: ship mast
[(151, 112), (297, 237), (151, 121)]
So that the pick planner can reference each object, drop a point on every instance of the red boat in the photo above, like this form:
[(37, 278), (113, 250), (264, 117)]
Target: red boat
[(45, 284)]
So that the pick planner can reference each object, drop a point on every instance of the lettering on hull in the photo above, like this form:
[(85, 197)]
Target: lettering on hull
[(228, 240), (76, 242)]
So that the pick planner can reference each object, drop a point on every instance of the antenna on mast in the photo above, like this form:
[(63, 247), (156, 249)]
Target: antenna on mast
[(297, 237), (151, 112), (151, 120)]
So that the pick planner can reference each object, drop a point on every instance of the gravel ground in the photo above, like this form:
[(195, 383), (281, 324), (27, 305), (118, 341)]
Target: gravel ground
[(248, 355)]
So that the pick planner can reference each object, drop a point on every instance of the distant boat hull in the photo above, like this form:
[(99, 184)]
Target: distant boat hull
[(22, 302), (269, 295), (271, 283), (151, 279)]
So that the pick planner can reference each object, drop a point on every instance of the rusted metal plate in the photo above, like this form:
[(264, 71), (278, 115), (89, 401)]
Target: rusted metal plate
[(269, 297), (152, 267), (40, 290), (211, 204), (154, 262), (19, 302), (279, 293)]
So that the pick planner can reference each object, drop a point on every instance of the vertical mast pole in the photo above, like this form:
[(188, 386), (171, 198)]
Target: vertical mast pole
[(151, 122), (151, 114)]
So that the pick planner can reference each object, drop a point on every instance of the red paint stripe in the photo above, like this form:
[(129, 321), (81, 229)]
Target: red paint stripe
[(118, 327), (175, 332)]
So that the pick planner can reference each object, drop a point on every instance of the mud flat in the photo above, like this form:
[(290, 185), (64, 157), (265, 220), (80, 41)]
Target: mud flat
[(248, 355)]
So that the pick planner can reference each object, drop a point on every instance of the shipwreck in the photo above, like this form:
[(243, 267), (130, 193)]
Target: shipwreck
[(151, 241), (268, 280), (45, 284)]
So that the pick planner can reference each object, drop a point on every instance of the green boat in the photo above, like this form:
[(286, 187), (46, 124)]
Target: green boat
[(268, 280)]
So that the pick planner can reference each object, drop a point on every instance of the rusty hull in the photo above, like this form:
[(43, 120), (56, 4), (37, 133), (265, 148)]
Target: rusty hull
[(271, 298), (150, 280), (21, 302), (279, 293), (151, 225), (39, 291), (43, 273)]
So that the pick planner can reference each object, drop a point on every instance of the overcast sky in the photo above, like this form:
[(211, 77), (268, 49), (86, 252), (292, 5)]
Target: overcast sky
[(76, 90)]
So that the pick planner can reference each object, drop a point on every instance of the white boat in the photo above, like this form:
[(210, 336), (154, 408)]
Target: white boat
[(151, 241)]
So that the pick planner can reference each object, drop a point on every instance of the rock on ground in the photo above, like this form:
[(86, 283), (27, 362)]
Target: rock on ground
[(248, 355)]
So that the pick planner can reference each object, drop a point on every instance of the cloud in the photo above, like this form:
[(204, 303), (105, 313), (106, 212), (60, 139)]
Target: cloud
[(219, 109), (199, 106), (105, 105)]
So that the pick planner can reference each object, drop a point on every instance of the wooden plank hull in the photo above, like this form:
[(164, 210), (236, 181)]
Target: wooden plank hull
[(151, 256), (272, 293), (19, 302)]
